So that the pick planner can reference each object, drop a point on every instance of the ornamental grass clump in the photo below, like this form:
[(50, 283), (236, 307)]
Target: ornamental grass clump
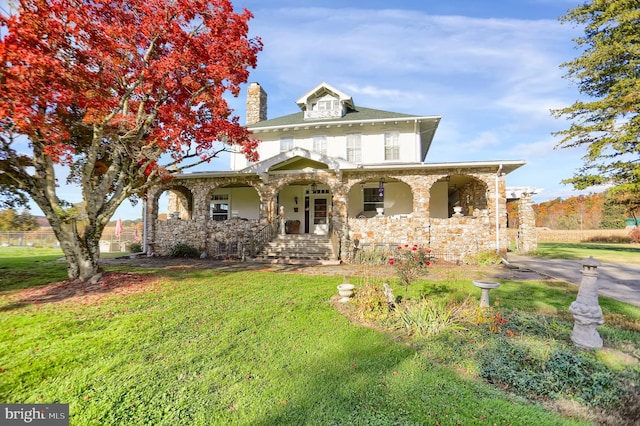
[(410, 262)]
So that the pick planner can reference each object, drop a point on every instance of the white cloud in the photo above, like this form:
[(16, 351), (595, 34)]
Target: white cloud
[(483, 141)]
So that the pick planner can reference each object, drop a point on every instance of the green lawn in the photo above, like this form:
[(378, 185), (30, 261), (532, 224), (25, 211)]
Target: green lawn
[(260, 348), (25, 267), (604, 252)]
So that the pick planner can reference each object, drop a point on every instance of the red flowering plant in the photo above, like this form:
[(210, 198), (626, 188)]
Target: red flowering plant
[(410, 262)]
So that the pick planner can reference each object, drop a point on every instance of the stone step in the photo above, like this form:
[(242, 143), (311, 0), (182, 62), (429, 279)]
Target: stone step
[(298, 247)]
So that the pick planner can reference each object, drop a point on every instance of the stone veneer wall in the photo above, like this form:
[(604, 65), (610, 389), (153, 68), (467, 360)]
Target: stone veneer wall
[(527, 240), (206, 236), (452, 239), (456, 236), (256, 104)]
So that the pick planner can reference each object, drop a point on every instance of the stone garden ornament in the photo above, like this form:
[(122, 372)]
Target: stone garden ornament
[(586, 311)]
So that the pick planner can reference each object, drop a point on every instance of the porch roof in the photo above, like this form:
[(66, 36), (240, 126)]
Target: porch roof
[(504, 166)]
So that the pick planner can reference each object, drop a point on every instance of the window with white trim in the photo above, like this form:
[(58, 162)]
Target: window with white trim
[(286, 144), (354, 148), (220, 207), (373, 199), (326, 105), (320, 144), (392, 145)]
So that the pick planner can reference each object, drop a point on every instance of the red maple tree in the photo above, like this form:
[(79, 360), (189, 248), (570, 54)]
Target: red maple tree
[(115, 91)]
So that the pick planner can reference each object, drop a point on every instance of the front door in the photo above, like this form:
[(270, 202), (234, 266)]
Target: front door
[(320, 214)]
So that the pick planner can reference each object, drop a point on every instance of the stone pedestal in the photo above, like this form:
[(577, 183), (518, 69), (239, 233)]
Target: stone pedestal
[(345, 291), (586, 310), (485, 286)]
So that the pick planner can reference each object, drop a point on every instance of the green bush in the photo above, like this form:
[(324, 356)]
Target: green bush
[(371, 303), (559, 373), (428, 317), (184, 250), (483, 258), (135, 247)]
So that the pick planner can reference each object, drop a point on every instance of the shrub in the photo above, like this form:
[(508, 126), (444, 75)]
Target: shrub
[(371, 303), (184, 250), (562, 373), (634, 234), (135, 247), (372, 255), (484, 258), (428, 317), (410, 262)]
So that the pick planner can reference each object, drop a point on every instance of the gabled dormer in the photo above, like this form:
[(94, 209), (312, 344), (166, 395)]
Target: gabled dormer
[(325, 101)]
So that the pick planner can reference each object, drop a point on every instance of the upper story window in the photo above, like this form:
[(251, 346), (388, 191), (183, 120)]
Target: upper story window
[(320, 144), (325, 105), (392, 145), (220, 207), (354, 148), (286, 144)]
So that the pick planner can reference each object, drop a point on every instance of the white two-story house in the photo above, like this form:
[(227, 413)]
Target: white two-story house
[(355, 175)]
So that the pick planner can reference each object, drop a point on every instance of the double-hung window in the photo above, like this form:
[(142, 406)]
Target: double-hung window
[(354, 148), (373, 199), (220, 207), (392, 145), (286, 144), (320, 144)]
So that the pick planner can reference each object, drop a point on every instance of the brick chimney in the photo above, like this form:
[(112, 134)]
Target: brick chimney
[(256, 104)]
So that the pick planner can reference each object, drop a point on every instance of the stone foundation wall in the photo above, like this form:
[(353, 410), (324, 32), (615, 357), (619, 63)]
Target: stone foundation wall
[(453, 239), (207, 236)]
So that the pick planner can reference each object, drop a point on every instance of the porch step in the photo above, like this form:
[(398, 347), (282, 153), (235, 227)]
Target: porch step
[(298, 247)]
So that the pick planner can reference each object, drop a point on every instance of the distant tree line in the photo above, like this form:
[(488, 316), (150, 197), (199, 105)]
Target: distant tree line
[(10, 220), (594, 211)]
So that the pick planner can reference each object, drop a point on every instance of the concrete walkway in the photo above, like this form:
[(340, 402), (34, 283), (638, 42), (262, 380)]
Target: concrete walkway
[(616, 281)]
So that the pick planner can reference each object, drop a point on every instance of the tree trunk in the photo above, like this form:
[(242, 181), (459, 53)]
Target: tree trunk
[(82, 252)]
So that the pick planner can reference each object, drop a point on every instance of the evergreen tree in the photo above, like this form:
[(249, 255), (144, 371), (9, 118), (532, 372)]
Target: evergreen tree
[(607, 122)]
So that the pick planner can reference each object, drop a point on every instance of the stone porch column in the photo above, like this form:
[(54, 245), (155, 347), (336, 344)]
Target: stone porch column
[(527, 239)]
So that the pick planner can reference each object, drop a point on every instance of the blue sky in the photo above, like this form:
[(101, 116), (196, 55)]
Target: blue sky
[(489, 68)]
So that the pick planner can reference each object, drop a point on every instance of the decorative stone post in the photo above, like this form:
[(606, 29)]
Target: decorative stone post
[(527, 239), (586, 311), (282, 221)]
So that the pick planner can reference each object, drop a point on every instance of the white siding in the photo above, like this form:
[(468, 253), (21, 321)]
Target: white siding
[(372, 140)]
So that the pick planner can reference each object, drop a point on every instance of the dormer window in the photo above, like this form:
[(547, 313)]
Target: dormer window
[(325, 102), (327, 105)]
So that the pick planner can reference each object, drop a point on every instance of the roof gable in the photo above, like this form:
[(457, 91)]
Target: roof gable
[(321, 91), (298, 159)]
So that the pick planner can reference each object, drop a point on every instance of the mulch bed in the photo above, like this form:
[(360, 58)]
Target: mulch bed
[(85, 293)]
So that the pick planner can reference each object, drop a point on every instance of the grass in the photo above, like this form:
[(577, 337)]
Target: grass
[(612, 253), (26, 267), (215, 347)]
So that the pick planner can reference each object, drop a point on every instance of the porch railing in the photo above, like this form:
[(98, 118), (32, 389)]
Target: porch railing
[(256, 241)]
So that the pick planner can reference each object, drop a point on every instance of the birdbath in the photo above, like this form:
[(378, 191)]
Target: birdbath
[(485, 286)]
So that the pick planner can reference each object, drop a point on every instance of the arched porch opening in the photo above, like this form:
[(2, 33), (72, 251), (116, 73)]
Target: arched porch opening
[(175, 203), (457, 194), (233, 201), (379, 197)]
